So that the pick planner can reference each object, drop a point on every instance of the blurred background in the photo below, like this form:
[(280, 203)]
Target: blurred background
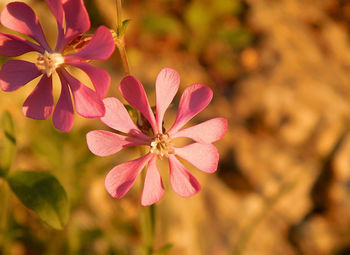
[(280, 71)]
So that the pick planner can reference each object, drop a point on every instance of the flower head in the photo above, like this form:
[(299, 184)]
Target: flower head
[(72, 20), (202, 153)]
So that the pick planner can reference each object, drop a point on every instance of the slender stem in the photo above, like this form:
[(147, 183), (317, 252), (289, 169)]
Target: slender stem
[(4, 197), (120, 40), (147, 216)]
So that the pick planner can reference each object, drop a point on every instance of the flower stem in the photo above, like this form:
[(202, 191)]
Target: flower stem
[(120, 40), (4, 197), (147, 216)]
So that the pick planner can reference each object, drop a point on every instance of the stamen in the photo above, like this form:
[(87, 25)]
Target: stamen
[(162, 145), (49, 62)]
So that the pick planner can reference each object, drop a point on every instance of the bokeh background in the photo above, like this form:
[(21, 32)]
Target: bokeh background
[(280, 71)]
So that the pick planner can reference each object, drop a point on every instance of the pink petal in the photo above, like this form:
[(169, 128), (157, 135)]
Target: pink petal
[(101, 46), (203, 156), (76, 17), (104, 143), (63, 116), (13, 46), (120, 179), (99, 77), (133, 91), (153, 189), (182, 181), (21, 18), (167, 84), (206, 132), (39, 104), (16, 73), (87, 102), (193, 100), (118, 118), (56, 8)]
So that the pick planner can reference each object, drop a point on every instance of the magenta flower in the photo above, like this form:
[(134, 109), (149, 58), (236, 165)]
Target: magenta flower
[(202, 154), (72, 20)]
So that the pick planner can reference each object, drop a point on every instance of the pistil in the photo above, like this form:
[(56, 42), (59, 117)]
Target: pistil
[(49, 62), (162, 145)]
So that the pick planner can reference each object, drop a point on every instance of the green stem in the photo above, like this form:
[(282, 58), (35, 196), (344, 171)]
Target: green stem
[(120, 40), (4, 199), (147, 216)]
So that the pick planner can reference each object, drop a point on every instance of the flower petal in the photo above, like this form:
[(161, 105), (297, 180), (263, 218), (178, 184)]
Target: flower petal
[(153, 189), (39, 104), (99, 77), (76, 17), (193, 100), (206, 132), (104, 143), (56, 8), (182, 181), (133, 91), (16, 73), (120, 179), (101, 46), (87, 102), (63, 116), (167, 84), (13, 46), (203, 156), (21, 18), (118, 118)]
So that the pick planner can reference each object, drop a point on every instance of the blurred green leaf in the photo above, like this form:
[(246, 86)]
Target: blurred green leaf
[(9, 143), (164, 250), (41, 192), (238, 38), (227, 7), (199, 17), (162, 25)]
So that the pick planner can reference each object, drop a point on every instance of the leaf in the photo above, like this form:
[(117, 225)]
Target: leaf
[(9, 144), (164, 250), (41, 192), (124, 26)]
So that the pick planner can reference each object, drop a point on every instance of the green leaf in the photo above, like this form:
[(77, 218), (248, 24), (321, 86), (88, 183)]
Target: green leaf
[(124, 26), (41, 192), (164, 250), (9, 143)]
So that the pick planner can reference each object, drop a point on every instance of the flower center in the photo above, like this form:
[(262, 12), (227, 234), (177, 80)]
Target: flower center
[(49, 62), (162, 145)]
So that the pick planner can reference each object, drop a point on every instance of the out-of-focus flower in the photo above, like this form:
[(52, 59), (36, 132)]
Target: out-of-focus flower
[(202, 154), (72, 20)]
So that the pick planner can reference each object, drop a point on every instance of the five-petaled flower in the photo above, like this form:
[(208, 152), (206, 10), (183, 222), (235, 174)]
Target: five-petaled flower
[(202, 153), (72, 20)]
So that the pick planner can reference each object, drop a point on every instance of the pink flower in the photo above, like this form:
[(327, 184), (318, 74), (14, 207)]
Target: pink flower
[(72, 20), (202, 154)]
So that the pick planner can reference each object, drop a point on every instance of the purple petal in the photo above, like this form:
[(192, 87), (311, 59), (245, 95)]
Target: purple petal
[(13, 46), (100, 47), (104, 143), (193, 100), (56, 8), (153, 189), (76, 17), (182, 181), (118, 118), (167, 84), (121, 178), (99, 77), (63, 116), (87, 102), (16, 73), (39, 104), (203, 156), (133, 91), (21, 18), (206, 132)]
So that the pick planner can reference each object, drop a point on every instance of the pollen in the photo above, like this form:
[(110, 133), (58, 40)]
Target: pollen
[(49, 62), (162, 145)]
